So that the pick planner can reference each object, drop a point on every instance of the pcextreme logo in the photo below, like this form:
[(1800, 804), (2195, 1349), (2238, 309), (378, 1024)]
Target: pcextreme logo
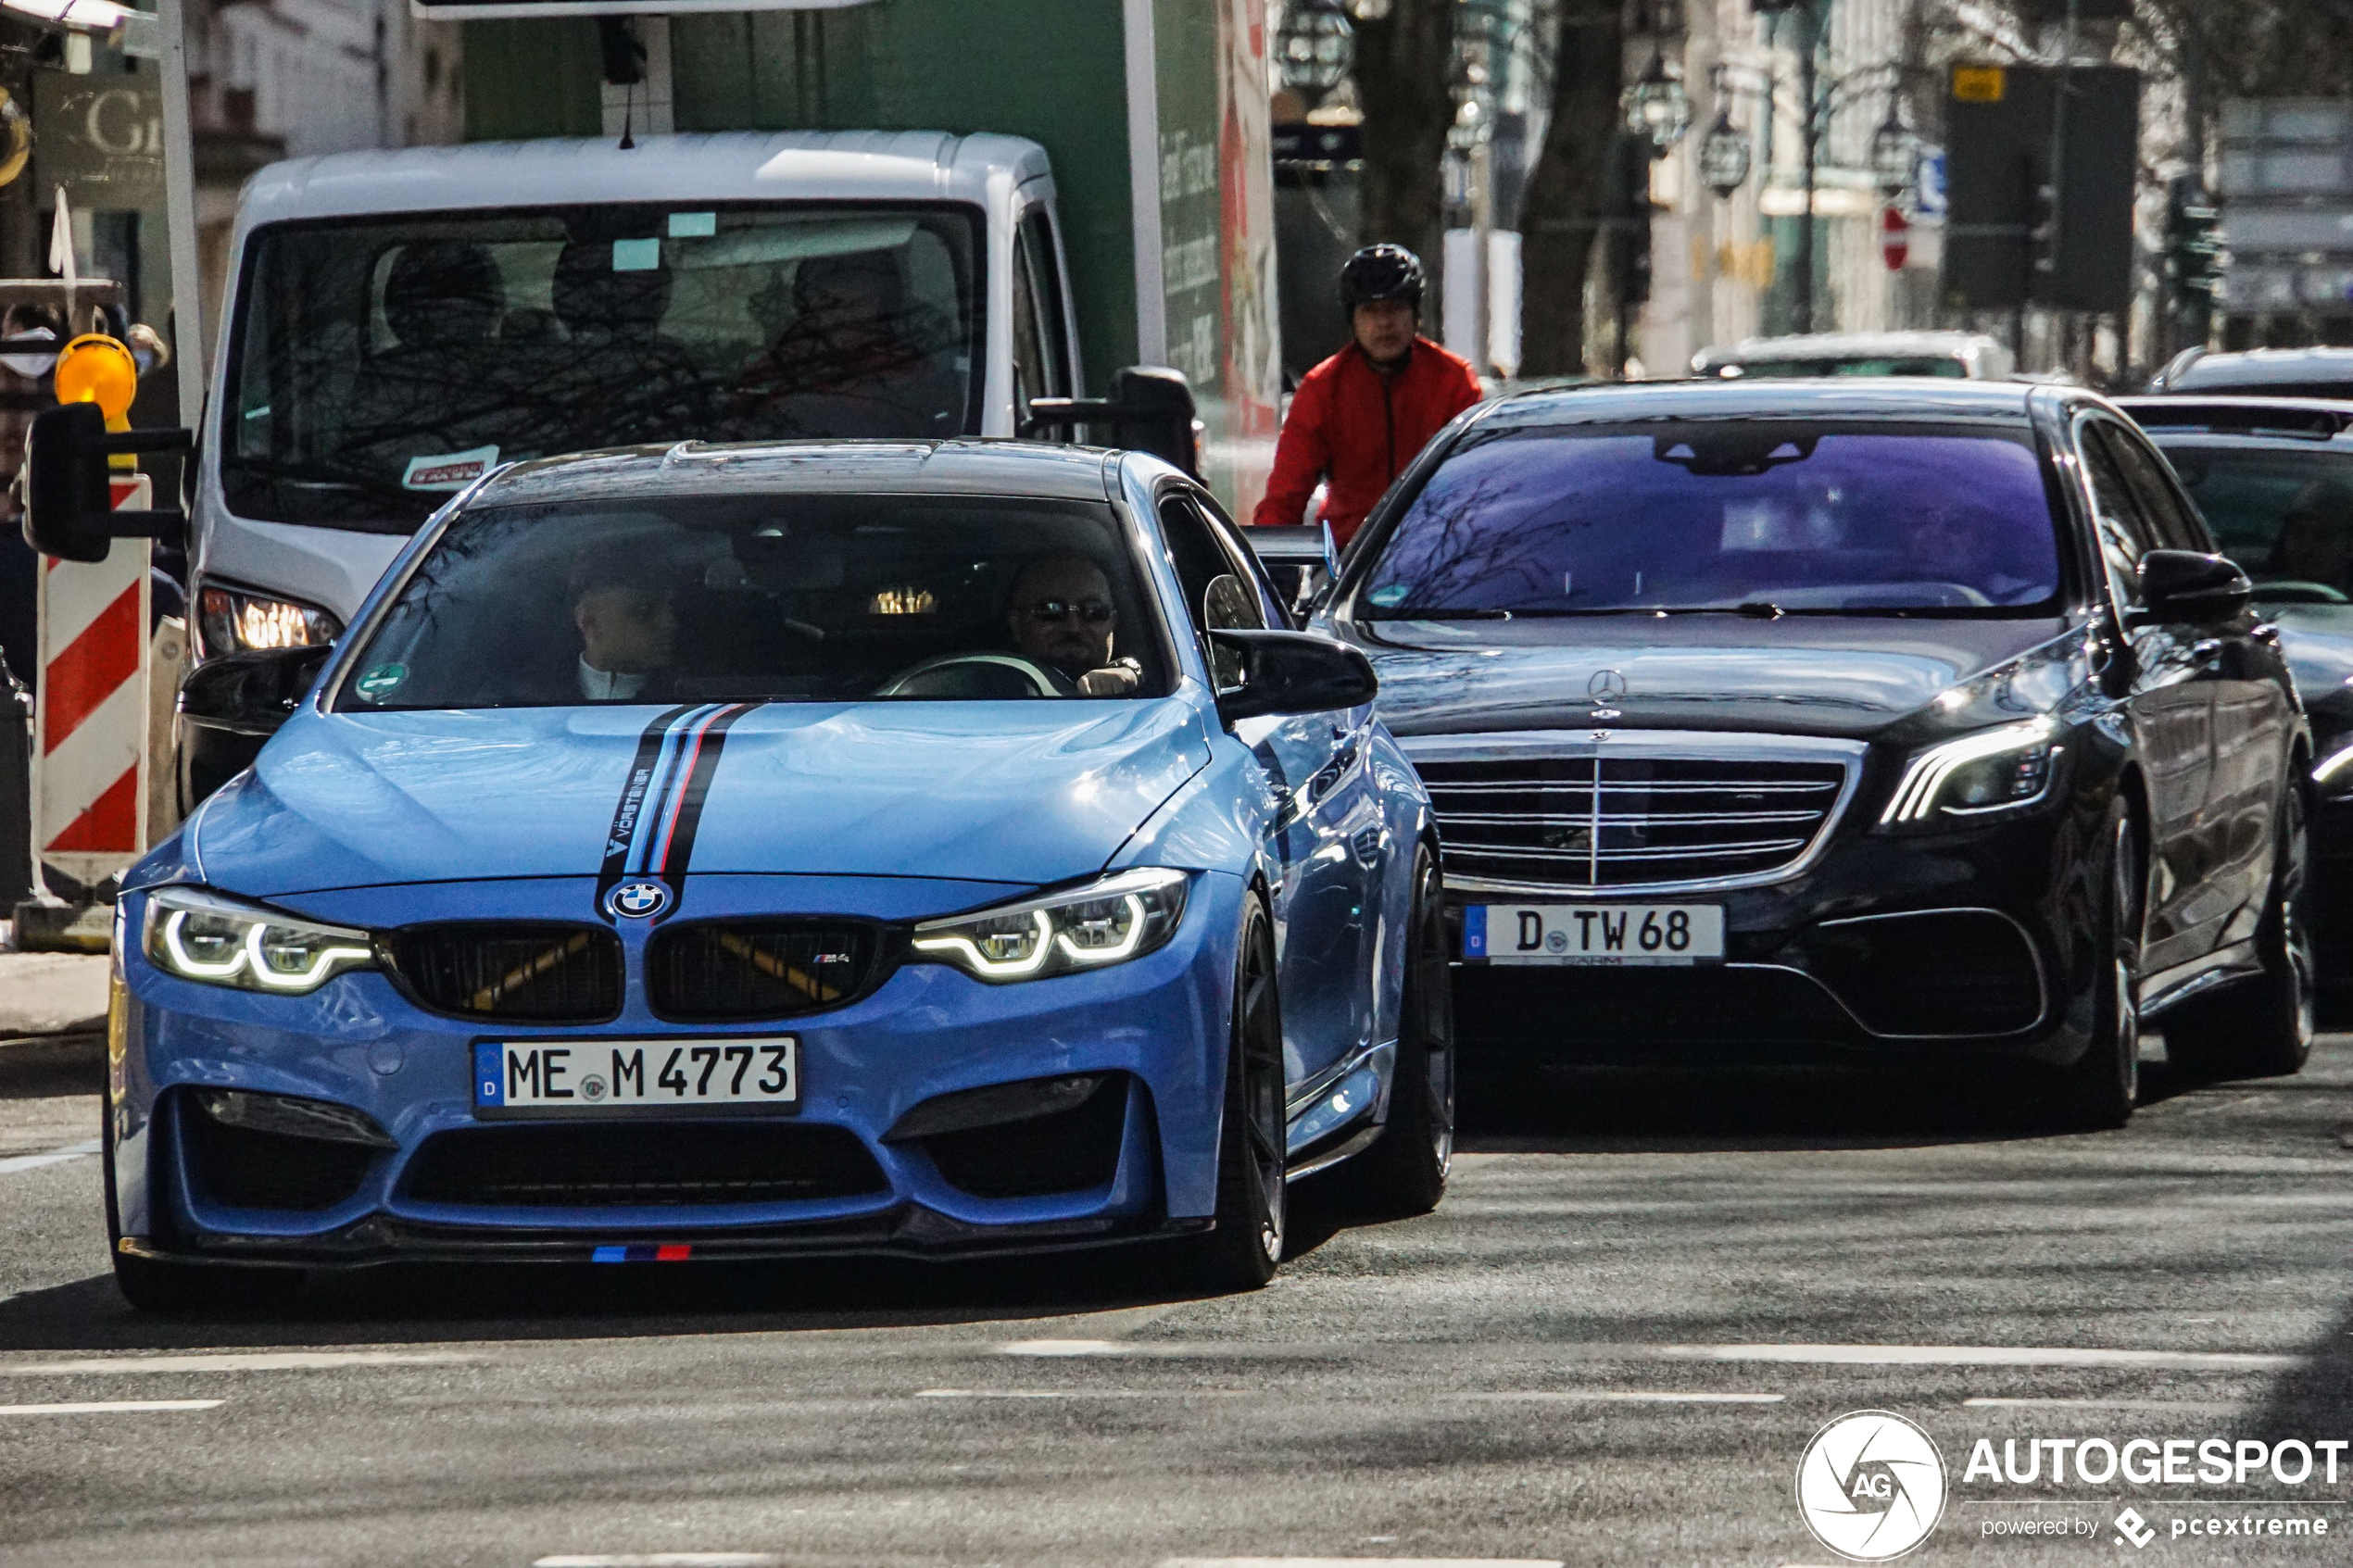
[(1871, 1486)]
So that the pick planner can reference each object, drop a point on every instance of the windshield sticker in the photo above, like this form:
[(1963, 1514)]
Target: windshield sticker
[(693, 225), (1391, 595), (449, 470), (380, 681), (637, 256)]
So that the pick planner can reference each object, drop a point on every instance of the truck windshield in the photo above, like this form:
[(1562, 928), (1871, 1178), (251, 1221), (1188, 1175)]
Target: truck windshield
[(1753, 517), (378, 364)]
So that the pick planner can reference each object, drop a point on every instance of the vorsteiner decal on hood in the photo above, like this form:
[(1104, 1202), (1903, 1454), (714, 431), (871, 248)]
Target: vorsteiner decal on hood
[(653, 825)]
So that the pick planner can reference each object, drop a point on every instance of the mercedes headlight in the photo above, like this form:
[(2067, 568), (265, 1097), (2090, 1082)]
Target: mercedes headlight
[(236, 620), (195, 934), (1109, 921), (1976, 775)]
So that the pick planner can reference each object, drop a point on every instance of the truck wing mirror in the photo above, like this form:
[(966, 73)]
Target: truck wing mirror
[(69, 511), (1151, 409)]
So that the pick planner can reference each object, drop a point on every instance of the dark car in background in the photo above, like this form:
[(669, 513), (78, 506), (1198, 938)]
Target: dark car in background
[(1869, 720), (2259, 372), (2273, 479)]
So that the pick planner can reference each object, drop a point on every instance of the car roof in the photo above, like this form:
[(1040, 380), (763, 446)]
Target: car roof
[(2257, 367), (697, 468), (1835, 345), (731, 165), (1872, 397)]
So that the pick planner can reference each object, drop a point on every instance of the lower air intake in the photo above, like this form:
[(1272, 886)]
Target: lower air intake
[(249, 1167), (603, 1165)]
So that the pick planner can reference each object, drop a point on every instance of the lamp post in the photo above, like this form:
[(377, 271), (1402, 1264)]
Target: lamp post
[(1316, 47), (1724, 156), (1656, 106), (1896, 154)]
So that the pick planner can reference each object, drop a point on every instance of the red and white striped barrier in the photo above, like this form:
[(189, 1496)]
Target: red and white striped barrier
[(90, 724)]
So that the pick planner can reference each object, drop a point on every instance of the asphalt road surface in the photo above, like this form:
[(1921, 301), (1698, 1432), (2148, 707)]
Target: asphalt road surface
[(1612, 1346)]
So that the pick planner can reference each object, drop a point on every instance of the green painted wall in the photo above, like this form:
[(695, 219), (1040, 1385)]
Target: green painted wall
[(1052, 71)]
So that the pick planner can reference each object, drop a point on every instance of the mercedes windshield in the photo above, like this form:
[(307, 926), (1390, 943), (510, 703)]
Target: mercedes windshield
[(1758, 517)]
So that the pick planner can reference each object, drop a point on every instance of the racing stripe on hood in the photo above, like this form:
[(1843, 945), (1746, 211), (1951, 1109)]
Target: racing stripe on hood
[(670, 848), (637, 795)]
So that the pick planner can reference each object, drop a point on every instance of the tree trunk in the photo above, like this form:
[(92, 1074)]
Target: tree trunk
[(1403, 68), (1568, 191)]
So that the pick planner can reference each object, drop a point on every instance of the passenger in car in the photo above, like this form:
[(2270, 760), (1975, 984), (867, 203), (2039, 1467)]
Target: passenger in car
[(1060, 615), (2315, 542), (855, 358), (628, 624)]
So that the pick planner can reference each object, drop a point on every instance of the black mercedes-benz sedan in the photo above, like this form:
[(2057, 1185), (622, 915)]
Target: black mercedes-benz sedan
[(1906, 718)]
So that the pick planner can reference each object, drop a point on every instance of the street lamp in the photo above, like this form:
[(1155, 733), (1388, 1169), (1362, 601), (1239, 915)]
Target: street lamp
[(1317, 46), (1656, 106), (1896, 155), (1724, 155)]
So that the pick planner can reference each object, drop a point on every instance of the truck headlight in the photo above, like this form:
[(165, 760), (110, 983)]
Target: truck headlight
[(195, 935), (1976, 775), (1109, 921), (233, 621)]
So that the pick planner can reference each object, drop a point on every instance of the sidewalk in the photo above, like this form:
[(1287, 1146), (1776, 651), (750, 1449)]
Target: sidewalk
[(43, 994)]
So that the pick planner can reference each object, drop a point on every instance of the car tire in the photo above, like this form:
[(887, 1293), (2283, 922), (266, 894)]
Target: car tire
[(2097, 1092), (2261, 1027), (163, 1286), (1404, 1173), (1241, 1250)]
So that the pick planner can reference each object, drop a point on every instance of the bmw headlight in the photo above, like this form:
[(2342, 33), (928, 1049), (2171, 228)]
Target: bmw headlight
[(1109, 921), (195, 935), (1976, 775)]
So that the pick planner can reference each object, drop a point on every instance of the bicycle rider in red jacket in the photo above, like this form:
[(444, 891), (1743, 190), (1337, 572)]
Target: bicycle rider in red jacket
[(1359, 418)]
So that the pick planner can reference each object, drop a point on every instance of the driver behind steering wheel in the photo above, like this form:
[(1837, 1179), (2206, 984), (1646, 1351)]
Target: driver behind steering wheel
[(1060, 615)]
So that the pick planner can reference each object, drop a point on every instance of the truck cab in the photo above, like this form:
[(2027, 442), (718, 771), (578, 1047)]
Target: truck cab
[(399, 323)]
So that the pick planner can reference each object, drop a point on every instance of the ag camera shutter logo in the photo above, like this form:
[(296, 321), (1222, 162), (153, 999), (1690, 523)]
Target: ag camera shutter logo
[(1871, 1485)]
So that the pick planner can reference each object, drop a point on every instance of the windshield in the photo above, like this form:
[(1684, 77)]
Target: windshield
[(379, 364), (1757, 515), (2287, 517), (765, 599)]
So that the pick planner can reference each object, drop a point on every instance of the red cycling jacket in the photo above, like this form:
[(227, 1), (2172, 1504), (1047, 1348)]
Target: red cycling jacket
[(1358, 428)]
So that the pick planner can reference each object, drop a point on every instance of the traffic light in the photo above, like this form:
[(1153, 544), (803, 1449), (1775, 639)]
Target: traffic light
[(2194, 246)]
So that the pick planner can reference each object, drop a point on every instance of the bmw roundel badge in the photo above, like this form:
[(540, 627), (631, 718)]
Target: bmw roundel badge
[(638, 900)]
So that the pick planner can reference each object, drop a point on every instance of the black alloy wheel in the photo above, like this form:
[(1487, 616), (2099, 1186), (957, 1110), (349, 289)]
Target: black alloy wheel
[(157, 1284), (1404, 1173), (2099, 1090), (1241, 1251), (2262, 1027)]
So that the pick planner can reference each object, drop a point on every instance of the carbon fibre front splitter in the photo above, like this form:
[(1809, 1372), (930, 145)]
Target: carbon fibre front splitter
[(908, 1231)]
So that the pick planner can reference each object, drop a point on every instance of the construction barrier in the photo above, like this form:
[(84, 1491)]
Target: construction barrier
[(91, 723)]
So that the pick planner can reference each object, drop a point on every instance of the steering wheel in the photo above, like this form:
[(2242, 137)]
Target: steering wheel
[(978, 675)]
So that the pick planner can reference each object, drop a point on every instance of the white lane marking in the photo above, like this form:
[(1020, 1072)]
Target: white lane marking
[(667, 1560), (260, 1361), (16, 1162), (1623, 1395), (1361, 1562), (1080, 1393), (1066, 1348), (110, 1407), (2182, 1407), (1973, 1355)]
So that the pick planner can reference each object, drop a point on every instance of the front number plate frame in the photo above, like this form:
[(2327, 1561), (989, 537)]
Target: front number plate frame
[(635, 1078), (1594, 936)]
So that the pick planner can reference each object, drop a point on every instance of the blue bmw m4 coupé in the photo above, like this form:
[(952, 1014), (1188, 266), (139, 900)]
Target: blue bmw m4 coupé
[(742, 851)]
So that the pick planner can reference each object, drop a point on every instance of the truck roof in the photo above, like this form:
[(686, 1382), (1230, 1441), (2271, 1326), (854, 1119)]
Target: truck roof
[(725, 166)]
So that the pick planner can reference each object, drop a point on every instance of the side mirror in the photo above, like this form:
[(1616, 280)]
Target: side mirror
[(2187, 586), (251, 694), (1151, 409), (1292, 672), (68, 510)]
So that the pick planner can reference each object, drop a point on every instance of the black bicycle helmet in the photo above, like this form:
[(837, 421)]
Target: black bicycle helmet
[(1382, 271)]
